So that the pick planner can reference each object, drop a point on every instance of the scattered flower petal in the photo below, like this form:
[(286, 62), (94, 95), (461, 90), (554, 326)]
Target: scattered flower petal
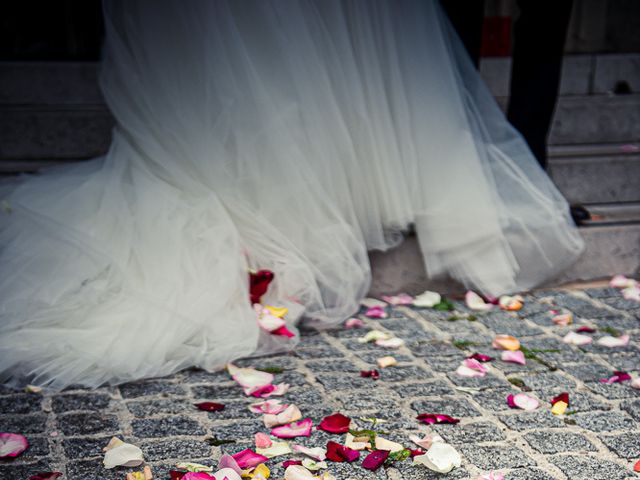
[(298, 472), (511, 304), (313, 465), (354, 323), (563, 397), (513, 357), (618, 376), (266, 320), (292, 430), (376, 312), (475, 365), (356, 443), (620, 281), (247, 458), (563, 319), (12, 444), (424, 442), (388, 361), (374, 374), (268, 406), (210, 406), (476, 302), (250, 378), (374, 336), (336, 423), (194, 467), (506, 342), (258, 284), (436, 418), (585, 329), (280, 389), (427, 299), (283, 332), (45, 476), (441, 458), (121, 454), (286, 464), (290, 414), (480, 357), (197, 476), (631, 293), (636, 467), (263, 440), (317, 453), (227, 461), (400, 299), (559, 407), (32, 389), (635, 383), (375, 459), (574, 338), (390, 343), (522, 401), (612, 342), (465, 371), (340, 453), (384, 444), (259, 473), (279, 312), (491, 476), (274, 450)]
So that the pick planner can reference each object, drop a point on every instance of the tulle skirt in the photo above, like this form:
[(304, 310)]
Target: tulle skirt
[(289, 135)]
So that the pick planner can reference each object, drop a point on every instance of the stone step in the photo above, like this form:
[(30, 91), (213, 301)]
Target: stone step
[(610, 249)]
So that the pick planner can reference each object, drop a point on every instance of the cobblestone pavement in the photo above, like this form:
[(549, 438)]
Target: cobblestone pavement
[(598, 438)]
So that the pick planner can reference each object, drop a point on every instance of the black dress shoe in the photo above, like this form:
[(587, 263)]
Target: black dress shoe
[(579, 214)]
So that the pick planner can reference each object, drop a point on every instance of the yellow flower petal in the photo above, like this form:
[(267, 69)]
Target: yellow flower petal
[(279, 312), (559, 408), (384, 362)]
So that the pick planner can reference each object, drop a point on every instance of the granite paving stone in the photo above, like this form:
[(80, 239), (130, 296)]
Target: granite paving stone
[(597, 438)]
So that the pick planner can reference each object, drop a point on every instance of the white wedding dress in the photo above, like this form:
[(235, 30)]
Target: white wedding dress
[(289, 135)]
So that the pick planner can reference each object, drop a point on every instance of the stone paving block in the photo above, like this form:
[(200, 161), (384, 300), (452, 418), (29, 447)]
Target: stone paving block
[(25, 403), (588, 371), (179, 449), (147, 408), (292, 378), (86, 447), (239, 430), (602, 350), (194, 375), (581, 307), (408, 471), (578, 401), (372, 356), (494, 399), (371, 402), (621, 303), (436, 388), (495, 457), (444, 364), (555, 351), (73, 424), (547, 380), (613, 391), (605, 292), (93, 470), (626, 445), (404, 373), (456, 407), (34, 423), (532, 366), (529, 474), (232, 411), (504, 323), (332, 366), (622, 323), (625, 362), (550, 442), (165, 427), (12, 471), (488, 381), (531, 420), (38, 447), (80, 401), (348, 382), (319, 353), (632, 408), (470, 433), (433, 349), (605, 421), (589, 468), (215, 392), (141, 389)]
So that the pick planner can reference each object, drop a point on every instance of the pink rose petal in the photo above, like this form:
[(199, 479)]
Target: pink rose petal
[(290, 414), (481, 357), (229, 474), (197, 476), (513, 357), (475, 365), (227, 461), (210, 406), (283, 332), (563, 319), (340, 453), (476, 302), (287, 463), (635, 383), (400, 299), (336, 423), (436, 418), (247, 458), (354, 323), (424, 442), (250, 377), (317, 453), (631, 293), (260, 392), (45, 476), (618, 376), (268, 406), (467, 372), (612, 342), (525, 402), (263, 440), (295, 429), (620, 281), (376, 312), (375, 459), (491, 476), (574, 338), (12, 444)]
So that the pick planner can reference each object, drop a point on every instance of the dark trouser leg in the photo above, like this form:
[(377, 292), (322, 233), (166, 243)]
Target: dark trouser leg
[(539, 37), (466, 17)]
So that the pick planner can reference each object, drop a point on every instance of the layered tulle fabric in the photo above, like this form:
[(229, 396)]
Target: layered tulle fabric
[(290, 135)]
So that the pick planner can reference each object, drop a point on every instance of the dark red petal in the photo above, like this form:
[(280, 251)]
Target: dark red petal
[(374, 374), (288, 463), (283, 331), (586, 330), (176, 475), (45, 476), (481, 357), (433, 418), (336, 423), (210, 406), (563, 397), (340, 453), (510, 401), (263, 391), (258, 284), (375, 459), (417, 451)]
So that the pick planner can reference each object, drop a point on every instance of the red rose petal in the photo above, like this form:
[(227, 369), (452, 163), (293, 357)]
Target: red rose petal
[(283, 332), (336, 423), (585, 329), (45, 476), (636, 467), (510, 401), (417, 452), (375, 459), (288, 463), (433, 418), (247, 458), (373, 374), (262, 391), (481, 357), (258, 284), (617, 377), (563, 397), (340, 453), (176, 475), (210, 406)]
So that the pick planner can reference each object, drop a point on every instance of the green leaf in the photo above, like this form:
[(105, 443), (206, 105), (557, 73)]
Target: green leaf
[(463, 344), (365, 433), (399, 456), (444, 305), (610, 330), (216, 442)]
